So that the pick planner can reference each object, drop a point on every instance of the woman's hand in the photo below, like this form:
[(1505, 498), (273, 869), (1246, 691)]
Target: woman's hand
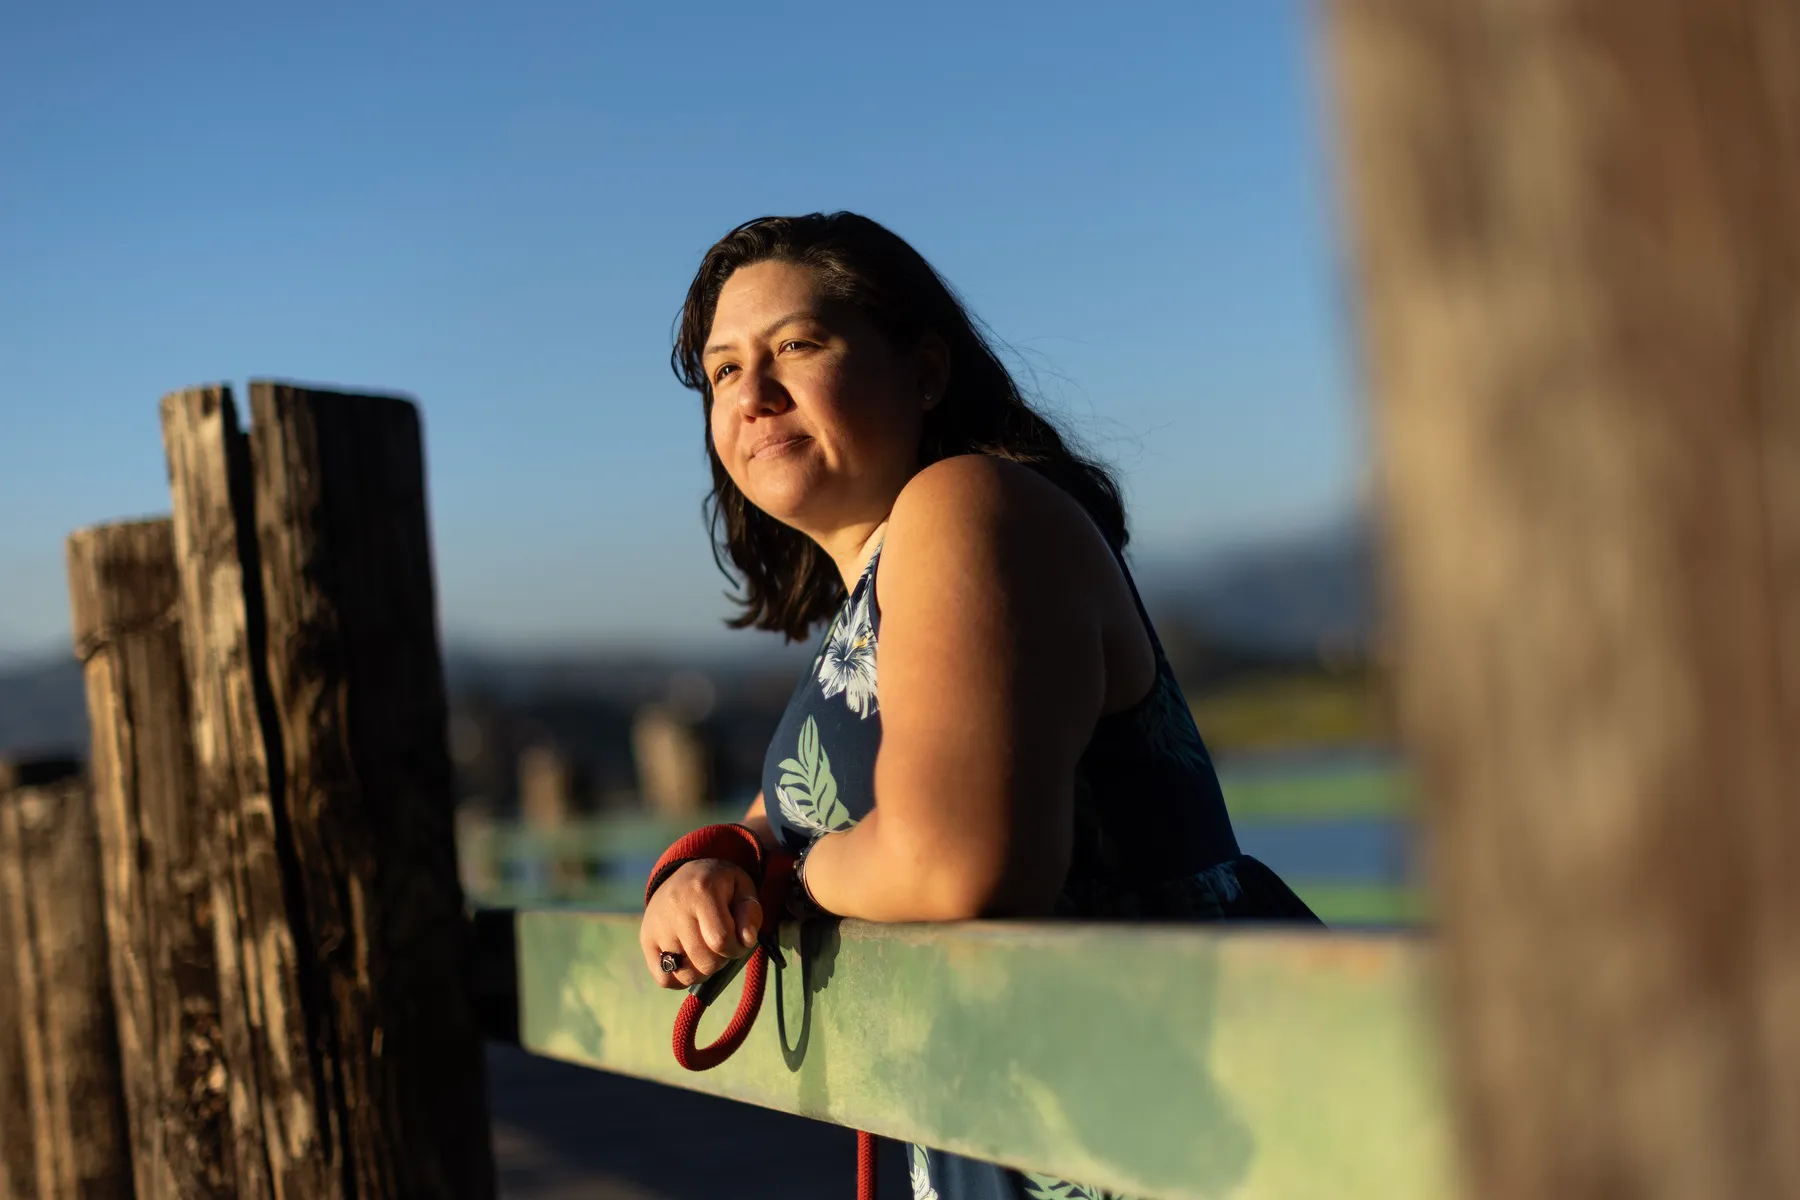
[(706, 912)]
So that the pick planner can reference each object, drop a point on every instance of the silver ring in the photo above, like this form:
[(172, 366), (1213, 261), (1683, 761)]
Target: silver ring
[(670, 962)]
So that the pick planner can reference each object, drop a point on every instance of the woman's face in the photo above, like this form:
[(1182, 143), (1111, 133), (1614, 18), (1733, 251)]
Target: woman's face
[(815, 415)]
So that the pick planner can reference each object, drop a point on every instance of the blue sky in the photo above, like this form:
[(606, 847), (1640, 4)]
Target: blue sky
[(497, 210)]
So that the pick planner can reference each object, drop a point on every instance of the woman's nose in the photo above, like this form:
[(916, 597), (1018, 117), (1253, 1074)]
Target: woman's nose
[(760, 394)]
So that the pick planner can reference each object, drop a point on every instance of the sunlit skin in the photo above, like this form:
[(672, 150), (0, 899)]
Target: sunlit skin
[(1007, 627)]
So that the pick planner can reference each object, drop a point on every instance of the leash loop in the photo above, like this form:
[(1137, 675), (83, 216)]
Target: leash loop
[(755, 969), (774, 874)]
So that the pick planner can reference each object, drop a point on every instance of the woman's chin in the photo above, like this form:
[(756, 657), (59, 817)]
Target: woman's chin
[(785, 493)]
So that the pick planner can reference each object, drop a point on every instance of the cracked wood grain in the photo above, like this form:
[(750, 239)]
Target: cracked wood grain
[(154, 859)]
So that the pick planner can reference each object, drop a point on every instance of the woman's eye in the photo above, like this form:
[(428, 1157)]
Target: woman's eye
[(719, 372), (796, 343)]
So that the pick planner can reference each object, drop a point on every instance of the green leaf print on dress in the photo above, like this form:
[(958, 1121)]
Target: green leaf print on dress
[(807, 790), (921, 1174), (1049, 1187)]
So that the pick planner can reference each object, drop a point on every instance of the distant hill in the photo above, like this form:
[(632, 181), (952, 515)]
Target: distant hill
[(627, 677), (43, 704), (43, 707), (1282, 598)]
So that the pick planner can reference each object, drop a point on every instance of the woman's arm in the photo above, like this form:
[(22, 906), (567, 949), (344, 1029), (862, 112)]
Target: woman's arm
[(992, 676), (757, 821)]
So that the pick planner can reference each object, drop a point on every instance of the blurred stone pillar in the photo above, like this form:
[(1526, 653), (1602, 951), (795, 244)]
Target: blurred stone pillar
[(475, 852), (673, 761), (544, 807), (544, 787)]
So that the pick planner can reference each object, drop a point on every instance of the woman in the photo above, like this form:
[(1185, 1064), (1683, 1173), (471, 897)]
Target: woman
[(989, 728)]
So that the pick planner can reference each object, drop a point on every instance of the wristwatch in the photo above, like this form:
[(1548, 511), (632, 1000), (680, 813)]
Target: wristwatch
[(800, 902)]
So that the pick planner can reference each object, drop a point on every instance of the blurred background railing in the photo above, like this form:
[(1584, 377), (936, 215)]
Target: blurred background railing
[(1336, 827)]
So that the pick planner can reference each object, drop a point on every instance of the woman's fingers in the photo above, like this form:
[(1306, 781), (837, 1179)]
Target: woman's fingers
[(653, 941), (746, 910), (697, 951), (707, 914), (685, 976), (746, 917), (664, 935), (719, 930), (696, 962)]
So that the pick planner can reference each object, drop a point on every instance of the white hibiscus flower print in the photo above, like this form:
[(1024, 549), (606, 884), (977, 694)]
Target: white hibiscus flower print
[(807, 790), (921, 1174), (848, 663)]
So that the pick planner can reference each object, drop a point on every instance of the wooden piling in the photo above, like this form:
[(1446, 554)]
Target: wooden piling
[(62, 1108), (155, 859), (358, 692), (310, 641), (283, 1143), (1578, 225)]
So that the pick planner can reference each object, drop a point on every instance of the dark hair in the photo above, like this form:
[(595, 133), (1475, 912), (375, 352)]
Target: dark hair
[(789, 584)]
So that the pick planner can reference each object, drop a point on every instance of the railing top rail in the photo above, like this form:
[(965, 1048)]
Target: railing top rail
[(1169, 1061)]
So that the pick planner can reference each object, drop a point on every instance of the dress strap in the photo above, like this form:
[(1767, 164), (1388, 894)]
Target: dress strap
[(1138, 600)]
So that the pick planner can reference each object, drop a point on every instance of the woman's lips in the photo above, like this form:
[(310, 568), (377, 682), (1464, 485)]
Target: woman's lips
[(777, 446)]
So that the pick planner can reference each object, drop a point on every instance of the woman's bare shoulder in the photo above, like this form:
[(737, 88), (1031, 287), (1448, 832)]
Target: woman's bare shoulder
[(984, 556), (977, 494), (977, 524)]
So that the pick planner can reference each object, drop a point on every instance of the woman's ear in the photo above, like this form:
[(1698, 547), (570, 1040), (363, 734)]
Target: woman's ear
[(933, 359)]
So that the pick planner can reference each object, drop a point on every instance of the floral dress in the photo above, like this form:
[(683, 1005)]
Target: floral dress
[(1152, 838)]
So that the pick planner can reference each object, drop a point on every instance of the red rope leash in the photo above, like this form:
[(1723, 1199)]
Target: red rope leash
[(737, 844), (865, 1165)]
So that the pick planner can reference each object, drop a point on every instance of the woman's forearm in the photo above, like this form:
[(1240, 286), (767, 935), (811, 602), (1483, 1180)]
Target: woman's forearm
[(870, 873)]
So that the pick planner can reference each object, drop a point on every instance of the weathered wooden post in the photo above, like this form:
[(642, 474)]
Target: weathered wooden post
[(282, 1141), (319, 733), (358, 693), (62, 1108), (1579, 230), (154, 860)]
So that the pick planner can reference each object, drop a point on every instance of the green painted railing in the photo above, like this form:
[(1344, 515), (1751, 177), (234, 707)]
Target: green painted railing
[(1154, 1061)]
